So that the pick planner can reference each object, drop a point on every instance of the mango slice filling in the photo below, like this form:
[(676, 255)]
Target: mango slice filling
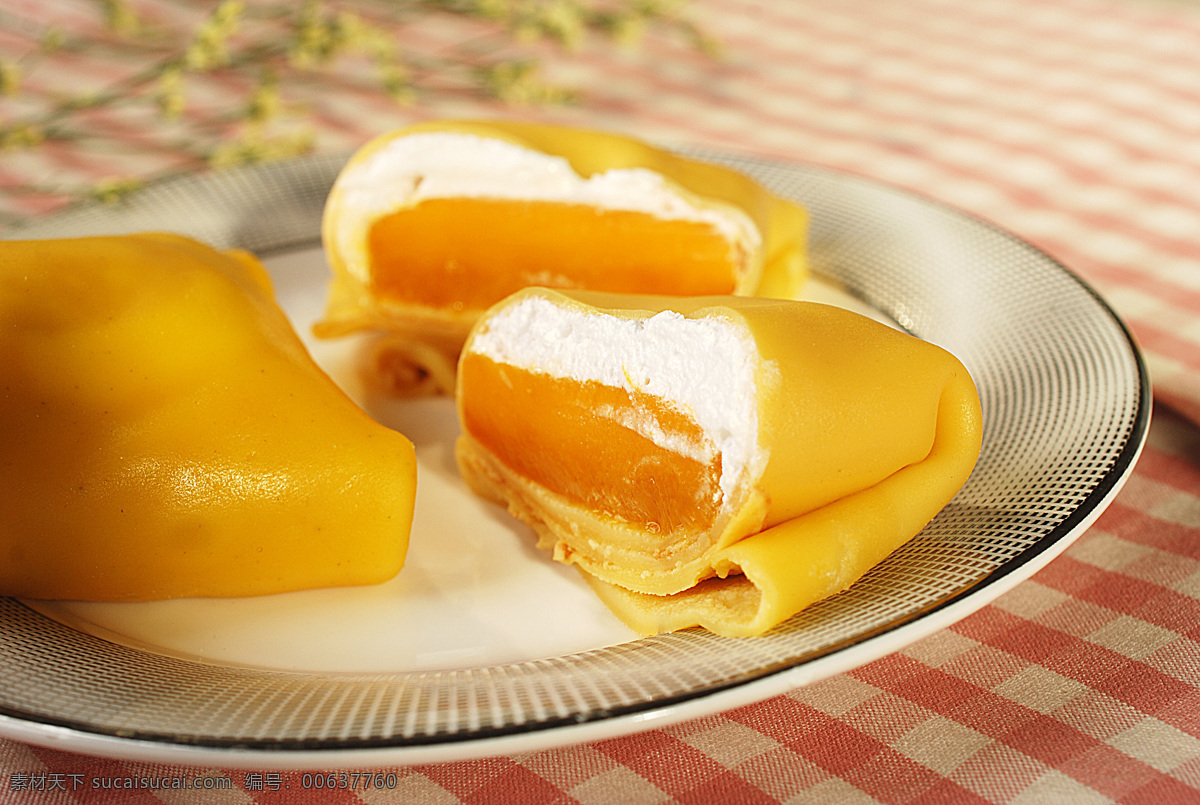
[(585, 441), (467, 253)]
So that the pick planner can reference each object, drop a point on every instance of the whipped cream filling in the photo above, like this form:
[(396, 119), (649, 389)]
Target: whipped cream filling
[(412, 168), (705, 367)]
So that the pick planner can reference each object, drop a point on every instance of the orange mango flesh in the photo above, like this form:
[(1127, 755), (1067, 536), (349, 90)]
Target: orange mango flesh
[(468, 253), (552, 431)]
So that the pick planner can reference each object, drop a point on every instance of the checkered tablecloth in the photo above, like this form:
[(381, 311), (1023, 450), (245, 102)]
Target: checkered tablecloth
[(1074, 124)]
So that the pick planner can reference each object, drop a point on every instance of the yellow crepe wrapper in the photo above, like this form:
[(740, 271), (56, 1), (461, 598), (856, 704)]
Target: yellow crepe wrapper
[(858, 434), (774, 574), (166, 434), (417, 345)]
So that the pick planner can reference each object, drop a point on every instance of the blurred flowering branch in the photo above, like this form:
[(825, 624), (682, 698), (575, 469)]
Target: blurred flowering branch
[(229, 82)]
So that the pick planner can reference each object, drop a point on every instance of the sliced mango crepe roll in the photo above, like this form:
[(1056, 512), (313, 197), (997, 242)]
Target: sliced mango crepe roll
[(428, 226), (166, 434), (721, 461)]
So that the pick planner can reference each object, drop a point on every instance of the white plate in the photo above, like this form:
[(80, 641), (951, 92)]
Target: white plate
[(482, 646)]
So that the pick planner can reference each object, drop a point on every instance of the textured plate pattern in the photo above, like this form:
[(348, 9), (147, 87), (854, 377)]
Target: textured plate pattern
[(1066, 407)]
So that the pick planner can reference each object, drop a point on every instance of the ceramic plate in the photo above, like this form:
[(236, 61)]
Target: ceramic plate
[(482, 646)]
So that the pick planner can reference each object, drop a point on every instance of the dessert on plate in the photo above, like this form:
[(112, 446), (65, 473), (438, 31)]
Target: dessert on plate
[(166, 434), (717, 461), (428, 226)]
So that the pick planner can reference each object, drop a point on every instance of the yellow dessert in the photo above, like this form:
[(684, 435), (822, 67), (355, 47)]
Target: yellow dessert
[(427, 227), (719, 461), (166, 434)]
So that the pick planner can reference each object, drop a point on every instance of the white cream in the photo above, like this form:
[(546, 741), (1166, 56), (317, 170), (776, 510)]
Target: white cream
[(410, 169), (707, 367)]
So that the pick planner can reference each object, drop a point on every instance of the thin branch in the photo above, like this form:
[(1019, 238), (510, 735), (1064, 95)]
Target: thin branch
[(286, 53)]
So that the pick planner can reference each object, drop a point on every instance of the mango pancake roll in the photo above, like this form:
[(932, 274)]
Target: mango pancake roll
[(428, 226), (715, 461), (166, 434)]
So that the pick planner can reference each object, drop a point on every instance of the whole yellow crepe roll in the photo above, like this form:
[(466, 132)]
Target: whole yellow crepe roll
[(719, 461), (428, 226), (166, 434)]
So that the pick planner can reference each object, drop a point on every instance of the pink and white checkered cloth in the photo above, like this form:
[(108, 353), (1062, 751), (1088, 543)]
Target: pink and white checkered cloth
[(1074, 124)]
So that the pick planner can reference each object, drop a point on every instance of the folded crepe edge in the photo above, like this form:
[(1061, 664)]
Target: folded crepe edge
[(774, 574)]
